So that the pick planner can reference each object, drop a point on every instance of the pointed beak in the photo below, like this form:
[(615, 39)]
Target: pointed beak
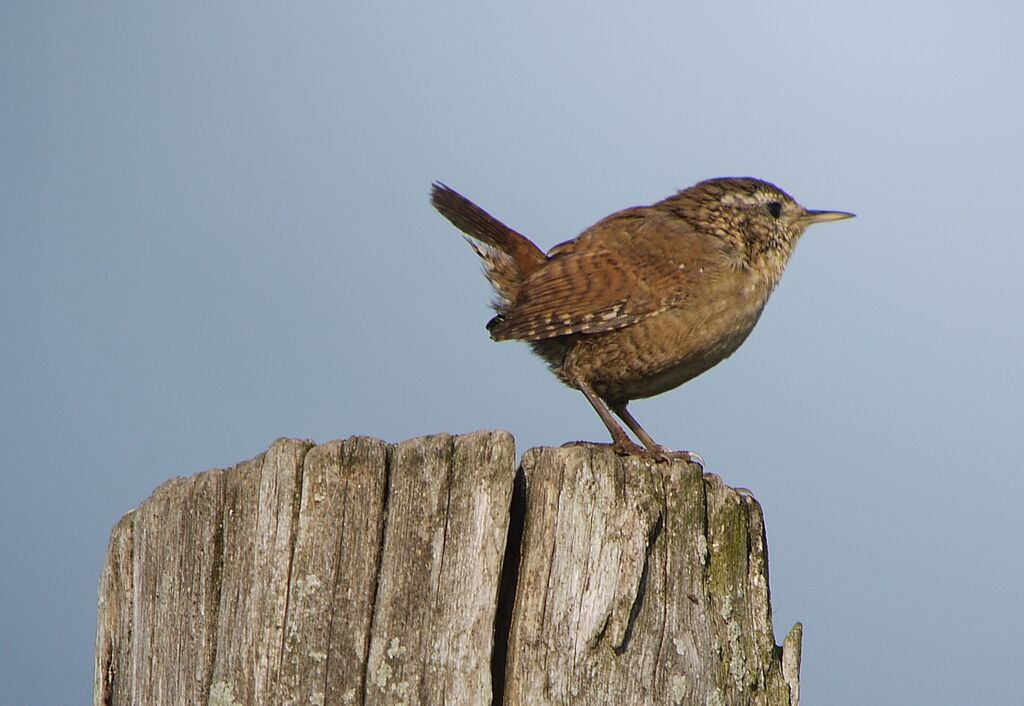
[(811, 217)]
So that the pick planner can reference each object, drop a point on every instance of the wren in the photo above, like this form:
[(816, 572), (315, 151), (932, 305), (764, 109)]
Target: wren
[(645, 299)]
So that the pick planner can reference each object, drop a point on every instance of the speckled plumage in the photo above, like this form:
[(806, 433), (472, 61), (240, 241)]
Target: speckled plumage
[(645, 299)]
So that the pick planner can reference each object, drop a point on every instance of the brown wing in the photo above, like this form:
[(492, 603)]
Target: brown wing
[(629, 266), (576, 293)]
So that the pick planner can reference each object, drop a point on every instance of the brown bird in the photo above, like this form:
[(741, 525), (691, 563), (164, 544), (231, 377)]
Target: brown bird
[(645, 299)]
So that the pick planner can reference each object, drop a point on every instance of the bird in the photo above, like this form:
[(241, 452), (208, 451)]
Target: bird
[(645, 299)]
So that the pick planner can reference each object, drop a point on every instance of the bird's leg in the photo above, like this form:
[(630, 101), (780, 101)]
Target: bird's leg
[(660, 452), (620, 409), (621, 442)]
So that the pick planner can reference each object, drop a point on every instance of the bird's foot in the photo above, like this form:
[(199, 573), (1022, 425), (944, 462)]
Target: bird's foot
[(623, 447), (663, 454), (626, 447), (621, 450)]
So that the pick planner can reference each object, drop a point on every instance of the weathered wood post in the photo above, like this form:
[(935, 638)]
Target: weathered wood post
[(436, 572)]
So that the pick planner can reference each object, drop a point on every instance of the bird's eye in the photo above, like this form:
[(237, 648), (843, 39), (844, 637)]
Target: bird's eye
[(775, 208)]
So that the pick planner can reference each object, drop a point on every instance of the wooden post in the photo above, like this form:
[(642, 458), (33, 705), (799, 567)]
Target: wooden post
[(436, 572)]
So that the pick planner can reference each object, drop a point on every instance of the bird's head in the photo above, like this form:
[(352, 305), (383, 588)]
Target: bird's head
[(759, 219)]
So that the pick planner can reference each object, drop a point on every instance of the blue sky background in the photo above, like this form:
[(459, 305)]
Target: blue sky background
[(215, 231)]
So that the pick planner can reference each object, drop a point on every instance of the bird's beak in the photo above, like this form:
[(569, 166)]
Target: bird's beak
[(811, 217)]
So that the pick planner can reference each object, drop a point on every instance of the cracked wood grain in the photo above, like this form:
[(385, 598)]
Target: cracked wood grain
[(639, 583), (360, 572)]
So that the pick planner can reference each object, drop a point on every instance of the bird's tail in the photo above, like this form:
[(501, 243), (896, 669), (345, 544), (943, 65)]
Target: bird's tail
[(509, 257)]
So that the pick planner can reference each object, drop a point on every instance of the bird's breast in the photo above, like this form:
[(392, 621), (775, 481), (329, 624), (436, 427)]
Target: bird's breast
[(673, 346)]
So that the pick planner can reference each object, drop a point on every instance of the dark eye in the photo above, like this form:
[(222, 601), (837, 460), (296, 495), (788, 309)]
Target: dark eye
[(775, 208)]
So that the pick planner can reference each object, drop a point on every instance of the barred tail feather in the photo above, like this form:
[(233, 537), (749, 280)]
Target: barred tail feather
[(508, 257)]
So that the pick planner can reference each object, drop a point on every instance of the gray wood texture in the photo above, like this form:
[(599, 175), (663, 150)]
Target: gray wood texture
[(640, 584), (435, 572)]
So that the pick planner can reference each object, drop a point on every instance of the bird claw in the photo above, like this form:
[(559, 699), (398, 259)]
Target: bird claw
[(661, 454), (664, 454), (627, 447), (621, 447)]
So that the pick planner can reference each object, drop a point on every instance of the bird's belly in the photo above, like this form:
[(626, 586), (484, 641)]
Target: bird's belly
[(665, 350)]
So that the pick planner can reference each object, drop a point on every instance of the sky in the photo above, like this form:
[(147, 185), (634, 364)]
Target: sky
[(215, 231)]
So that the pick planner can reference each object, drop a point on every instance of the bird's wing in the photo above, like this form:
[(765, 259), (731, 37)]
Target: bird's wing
[(577, 292), (629, 266)]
